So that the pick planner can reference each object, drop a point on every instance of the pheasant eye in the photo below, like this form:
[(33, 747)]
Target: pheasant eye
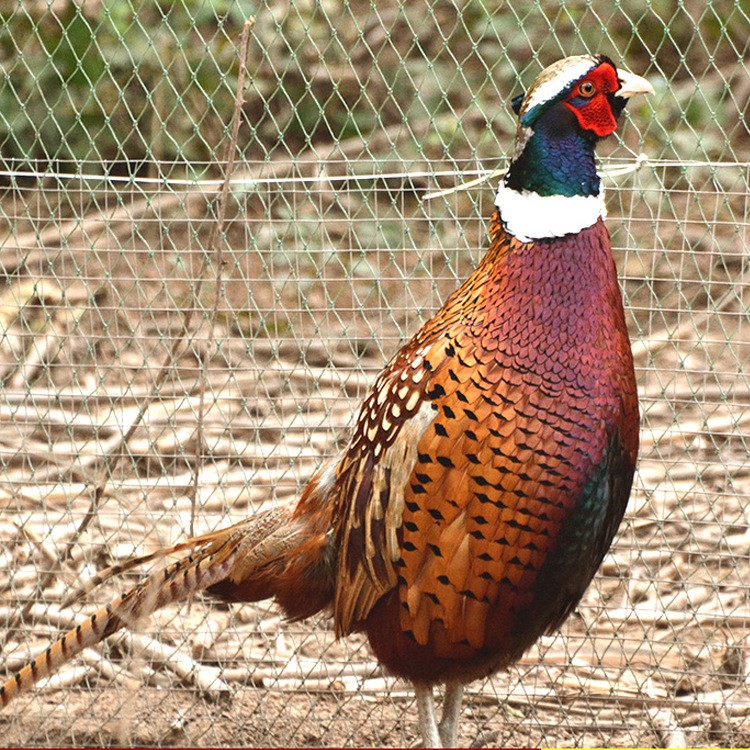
[(586, 89)]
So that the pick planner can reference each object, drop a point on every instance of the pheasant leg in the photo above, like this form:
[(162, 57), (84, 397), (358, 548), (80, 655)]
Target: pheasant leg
[(448, 727), (427, 722)]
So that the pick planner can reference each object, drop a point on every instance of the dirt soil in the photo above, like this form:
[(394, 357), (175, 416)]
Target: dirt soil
[(309, 297)]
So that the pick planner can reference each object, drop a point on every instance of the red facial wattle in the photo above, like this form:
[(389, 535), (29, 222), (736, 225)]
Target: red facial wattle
[(594, 110)]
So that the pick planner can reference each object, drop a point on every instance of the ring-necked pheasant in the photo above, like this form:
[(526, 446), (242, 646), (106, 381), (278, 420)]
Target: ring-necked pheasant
[(490, 464)]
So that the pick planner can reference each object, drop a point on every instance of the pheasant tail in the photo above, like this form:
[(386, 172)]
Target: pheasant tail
[(243, 550)]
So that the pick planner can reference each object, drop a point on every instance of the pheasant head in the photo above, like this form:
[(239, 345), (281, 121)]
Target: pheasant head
[(552, 187)]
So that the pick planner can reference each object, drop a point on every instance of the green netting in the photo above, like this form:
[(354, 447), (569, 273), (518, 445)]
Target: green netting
[(236, 363)]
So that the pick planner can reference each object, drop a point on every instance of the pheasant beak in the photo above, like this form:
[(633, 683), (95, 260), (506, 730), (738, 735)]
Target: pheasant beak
[(632, 84)]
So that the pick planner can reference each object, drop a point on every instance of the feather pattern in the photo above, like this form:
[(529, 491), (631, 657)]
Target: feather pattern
[(531, 397)]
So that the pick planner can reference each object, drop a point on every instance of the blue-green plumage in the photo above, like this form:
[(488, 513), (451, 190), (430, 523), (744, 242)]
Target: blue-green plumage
[(558, 158), (586, 534)]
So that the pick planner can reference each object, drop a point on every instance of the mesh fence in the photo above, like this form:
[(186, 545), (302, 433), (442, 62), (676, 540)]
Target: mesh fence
[(160, 380)]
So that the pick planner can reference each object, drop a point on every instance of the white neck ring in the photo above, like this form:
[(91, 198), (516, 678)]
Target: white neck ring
[(529, 216)]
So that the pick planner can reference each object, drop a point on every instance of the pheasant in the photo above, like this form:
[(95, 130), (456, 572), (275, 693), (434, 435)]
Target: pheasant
[(491, 462)]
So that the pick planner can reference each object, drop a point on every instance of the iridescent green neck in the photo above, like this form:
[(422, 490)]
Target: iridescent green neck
[(556, 160)]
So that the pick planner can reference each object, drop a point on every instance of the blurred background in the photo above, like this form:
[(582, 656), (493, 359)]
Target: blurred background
[(169, 365)]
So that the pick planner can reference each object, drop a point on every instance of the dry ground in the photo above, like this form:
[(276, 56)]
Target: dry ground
[(314, 289)]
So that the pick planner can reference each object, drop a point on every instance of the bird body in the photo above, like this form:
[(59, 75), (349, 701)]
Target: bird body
[(491, 462), (523, 469)]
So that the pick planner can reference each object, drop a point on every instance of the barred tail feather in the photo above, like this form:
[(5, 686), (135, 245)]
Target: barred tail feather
[(134, 562), (176, 582)]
